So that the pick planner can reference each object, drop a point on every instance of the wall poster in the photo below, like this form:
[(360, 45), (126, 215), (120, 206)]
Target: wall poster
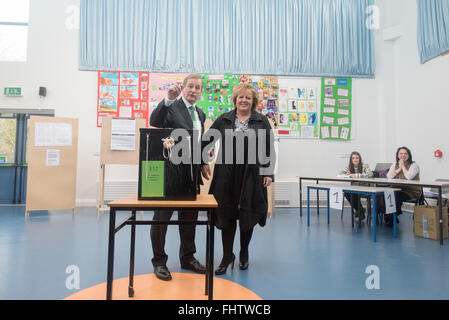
[(122, 95), (336, 103)]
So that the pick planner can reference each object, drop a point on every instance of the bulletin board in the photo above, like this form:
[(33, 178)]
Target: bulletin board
[(336, 105), (52, 164), (122, 95), (267, 88), (217, 94), (136, 94), (159, 84), (298, 108)]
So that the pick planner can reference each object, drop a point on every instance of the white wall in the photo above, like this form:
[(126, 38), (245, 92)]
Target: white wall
[(414, 96), (53, 63), (405, 105)]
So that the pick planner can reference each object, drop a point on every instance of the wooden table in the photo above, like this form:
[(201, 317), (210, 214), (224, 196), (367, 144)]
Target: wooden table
[(390, 182), (360, 190), (130, 203)]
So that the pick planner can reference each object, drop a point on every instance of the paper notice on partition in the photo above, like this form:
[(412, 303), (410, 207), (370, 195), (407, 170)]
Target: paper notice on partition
[(336, 198), (48, 134), (53, 158), (123, 133)]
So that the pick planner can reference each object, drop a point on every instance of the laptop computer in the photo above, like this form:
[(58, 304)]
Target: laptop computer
[(381, 170)]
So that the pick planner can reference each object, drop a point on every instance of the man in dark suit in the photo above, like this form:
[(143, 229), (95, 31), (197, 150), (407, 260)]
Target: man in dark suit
[(176, 114)]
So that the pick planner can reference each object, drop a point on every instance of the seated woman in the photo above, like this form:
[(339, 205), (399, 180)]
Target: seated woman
[(356, 169), (403, 168)]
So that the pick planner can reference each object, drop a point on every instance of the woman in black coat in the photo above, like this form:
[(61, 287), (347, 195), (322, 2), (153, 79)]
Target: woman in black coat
[(243, 169)]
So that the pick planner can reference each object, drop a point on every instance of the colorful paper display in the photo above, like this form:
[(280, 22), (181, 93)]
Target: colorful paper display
[(293, 107), (298, 113), (336, 104), (122, 95), (217, 93)]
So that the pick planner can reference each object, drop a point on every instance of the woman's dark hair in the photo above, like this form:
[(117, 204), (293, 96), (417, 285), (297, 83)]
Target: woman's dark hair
[(410, 160), (351, 165)]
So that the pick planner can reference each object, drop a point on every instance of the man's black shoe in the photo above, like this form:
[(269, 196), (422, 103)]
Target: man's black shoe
[(162, 273), (194, 265)]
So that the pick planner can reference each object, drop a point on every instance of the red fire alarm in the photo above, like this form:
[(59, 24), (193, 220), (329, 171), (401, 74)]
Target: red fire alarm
[(438, 153)]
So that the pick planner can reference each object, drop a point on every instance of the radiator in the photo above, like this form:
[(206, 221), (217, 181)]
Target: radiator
[(115, 189)]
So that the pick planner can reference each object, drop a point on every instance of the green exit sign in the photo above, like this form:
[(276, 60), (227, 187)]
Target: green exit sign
[(12, 92)]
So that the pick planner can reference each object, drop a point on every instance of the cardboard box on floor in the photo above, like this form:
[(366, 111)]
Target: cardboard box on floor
[(426, 222)]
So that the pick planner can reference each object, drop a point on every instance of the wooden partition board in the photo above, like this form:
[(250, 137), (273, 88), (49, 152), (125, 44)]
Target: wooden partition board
[(108, 156), (51, 187)]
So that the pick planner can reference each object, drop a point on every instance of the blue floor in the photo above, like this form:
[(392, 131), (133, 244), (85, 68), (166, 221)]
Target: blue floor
[(287, 260)]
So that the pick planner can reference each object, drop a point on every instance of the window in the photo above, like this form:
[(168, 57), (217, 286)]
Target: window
[(14, 29)]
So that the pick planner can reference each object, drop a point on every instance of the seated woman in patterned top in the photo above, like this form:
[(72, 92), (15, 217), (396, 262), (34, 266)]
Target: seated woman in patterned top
[(356, 169)]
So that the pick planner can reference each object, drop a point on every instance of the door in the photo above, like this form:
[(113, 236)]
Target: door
[(8, 169), (13, 153)]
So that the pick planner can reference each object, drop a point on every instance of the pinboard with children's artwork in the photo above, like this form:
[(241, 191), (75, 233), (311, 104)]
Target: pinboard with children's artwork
[(122, 95), (336, 105), (298, 108)]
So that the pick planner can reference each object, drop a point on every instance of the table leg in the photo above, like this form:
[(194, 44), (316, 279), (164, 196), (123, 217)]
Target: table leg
[(317, 200), (359, 210), (394, 225), (440, 207), (368, 209), (131, 262), (352, 210), (308, 206), (328, 206), (374, 216), (110, 276), (211, 256), (300, 197), (206, 285)]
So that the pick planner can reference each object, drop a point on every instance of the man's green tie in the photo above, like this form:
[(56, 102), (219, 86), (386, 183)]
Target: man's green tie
[(193, 115)]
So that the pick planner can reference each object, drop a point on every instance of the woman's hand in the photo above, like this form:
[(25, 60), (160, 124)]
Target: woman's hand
[(205, 171), (267, 181)]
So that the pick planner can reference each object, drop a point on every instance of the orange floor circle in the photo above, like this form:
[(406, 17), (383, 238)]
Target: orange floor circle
[(183, 286)]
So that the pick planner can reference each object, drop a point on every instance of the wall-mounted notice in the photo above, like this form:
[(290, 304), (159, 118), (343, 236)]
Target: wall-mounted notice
[(122, 95), (52, 158), (336, 104)]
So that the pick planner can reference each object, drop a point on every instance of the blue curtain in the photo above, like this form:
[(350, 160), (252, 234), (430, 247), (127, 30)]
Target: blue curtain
[(275, 37), (433, 28)]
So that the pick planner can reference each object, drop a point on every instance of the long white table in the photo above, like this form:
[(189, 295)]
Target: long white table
[(391, 182)]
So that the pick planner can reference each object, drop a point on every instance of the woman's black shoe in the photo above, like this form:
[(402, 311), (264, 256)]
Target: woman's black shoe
[(244, 265), (224, 266)]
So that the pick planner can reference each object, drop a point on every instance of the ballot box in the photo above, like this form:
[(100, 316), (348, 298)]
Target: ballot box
[(166, 168)]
